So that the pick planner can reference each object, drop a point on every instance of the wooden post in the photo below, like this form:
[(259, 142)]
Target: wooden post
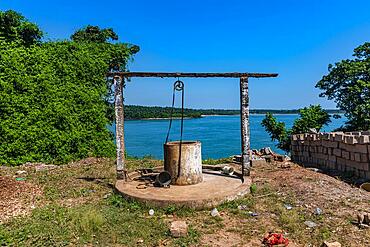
[(120, 137), (244, 120)]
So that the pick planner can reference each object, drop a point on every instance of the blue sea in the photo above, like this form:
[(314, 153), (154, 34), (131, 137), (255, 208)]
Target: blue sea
[(219, 135)]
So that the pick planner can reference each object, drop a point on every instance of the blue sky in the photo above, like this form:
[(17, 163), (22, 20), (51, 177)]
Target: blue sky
[(297, 39)]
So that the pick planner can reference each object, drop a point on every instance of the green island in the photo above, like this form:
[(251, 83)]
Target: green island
[(157, 112)]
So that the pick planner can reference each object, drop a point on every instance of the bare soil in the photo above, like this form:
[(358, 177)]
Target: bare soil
[(17, 197)]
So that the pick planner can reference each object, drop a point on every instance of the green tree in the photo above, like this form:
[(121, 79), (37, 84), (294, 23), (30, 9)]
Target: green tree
[(312, 117), (348, 84), (15, 27), (53, 100), (95, 34)]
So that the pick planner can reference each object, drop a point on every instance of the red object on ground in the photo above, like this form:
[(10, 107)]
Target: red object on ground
[(272, 239)]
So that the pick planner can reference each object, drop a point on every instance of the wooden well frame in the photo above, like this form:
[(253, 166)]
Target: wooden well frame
[(119, 81)]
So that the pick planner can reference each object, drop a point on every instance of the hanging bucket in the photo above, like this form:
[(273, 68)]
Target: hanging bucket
[(163, 179), (187, 169)]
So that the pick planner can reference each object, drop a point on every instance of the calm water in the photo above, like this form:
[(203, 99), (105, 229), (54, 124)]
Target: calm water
[(220, 135)]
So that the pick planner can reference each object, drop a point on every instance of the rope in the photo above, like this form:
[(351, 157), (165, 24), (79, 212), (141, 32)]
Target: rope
[(177, 86)]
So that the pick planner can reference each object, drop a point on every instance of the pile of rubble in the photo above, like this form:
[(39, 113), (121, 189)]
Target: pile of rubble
[(264, 154)]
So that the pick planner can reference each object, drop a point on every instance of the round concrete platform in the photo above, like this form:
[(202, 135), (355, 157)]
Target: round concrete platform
[(214, 190)]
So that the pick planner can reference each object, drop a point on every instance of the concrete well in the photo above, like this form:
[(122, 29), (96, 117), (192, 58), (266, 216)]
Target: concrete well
[(190, 170)]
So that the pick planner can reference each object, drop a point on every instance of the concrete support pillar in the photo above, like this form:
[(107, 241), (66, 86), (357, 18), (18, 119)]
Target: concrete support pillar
[(244, 120), (120, 137)]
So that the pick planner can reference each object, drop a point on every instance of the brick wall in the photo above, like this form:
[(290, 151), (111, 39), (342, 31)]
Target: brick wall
[(347, 152)]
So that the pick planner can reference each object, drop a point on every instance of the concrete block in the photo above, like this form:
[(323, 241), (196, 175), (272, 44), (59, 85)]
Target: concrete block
[(342, 145), (350, 139), (363, 139), (352, 156), (179, 229), (337, 152), (341, 161), (332, 158), (339, 137), (356, 133), (365, 166), (330, 144), (364, 158), (346, 155), (357, 156), (332, 136), (361, 148), (348, 147)]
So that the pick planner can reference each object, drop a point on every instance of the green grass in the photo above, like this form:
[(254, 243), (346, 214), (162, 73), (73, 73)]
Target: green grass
[(112, 221)]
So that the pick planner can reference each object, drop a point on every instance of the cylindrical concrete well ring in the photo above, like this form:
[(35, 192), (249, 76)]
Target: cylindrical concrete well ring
[(190, 165)]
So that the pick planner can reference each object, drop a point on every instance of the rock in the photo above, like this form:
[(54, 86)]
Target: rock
[(44, 167), (364, 226), (215, 212), (366, 219), (20, 172), (331, 244), (318, 211), (253, 214), (313, 169), (310, 224), (140, 241), (179, 229), (106, 196), (360, 218), (363, 218), (288, 206), (279, 157), (266, 150), (242, 207)]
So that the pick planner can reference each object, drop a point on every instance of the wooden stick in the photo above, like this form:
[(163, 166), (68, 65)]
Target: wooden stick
[(181, 74), (244, 120), (120, 141)]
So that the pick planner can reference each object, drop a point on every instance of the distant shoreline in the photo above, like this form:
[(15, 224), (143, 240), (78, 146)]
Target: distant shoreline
[(215, 115), (136, 112)]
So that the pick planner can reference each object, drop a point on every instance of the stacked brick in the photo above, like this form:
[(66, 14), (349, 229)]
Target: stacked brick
[(346, 152)]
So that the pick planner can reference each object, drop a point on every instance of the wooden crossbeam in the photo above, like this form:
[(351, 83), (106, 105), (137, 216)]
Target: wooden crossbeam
[(186, 74)]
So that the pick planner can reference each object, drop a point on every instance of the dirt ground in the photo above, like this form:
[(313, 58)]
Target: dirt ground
[(305, 190), (17, 197), (279, 185)]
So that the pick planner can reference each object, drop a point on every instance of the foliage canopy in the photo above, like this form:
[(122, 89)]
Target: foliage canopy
[(54, 99), (312, 117), (348, 84), (15, 27)]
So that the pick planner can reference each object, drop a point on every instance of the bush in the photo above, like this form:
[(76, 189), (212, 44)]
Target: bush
[(53, 101), (312, 117)]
